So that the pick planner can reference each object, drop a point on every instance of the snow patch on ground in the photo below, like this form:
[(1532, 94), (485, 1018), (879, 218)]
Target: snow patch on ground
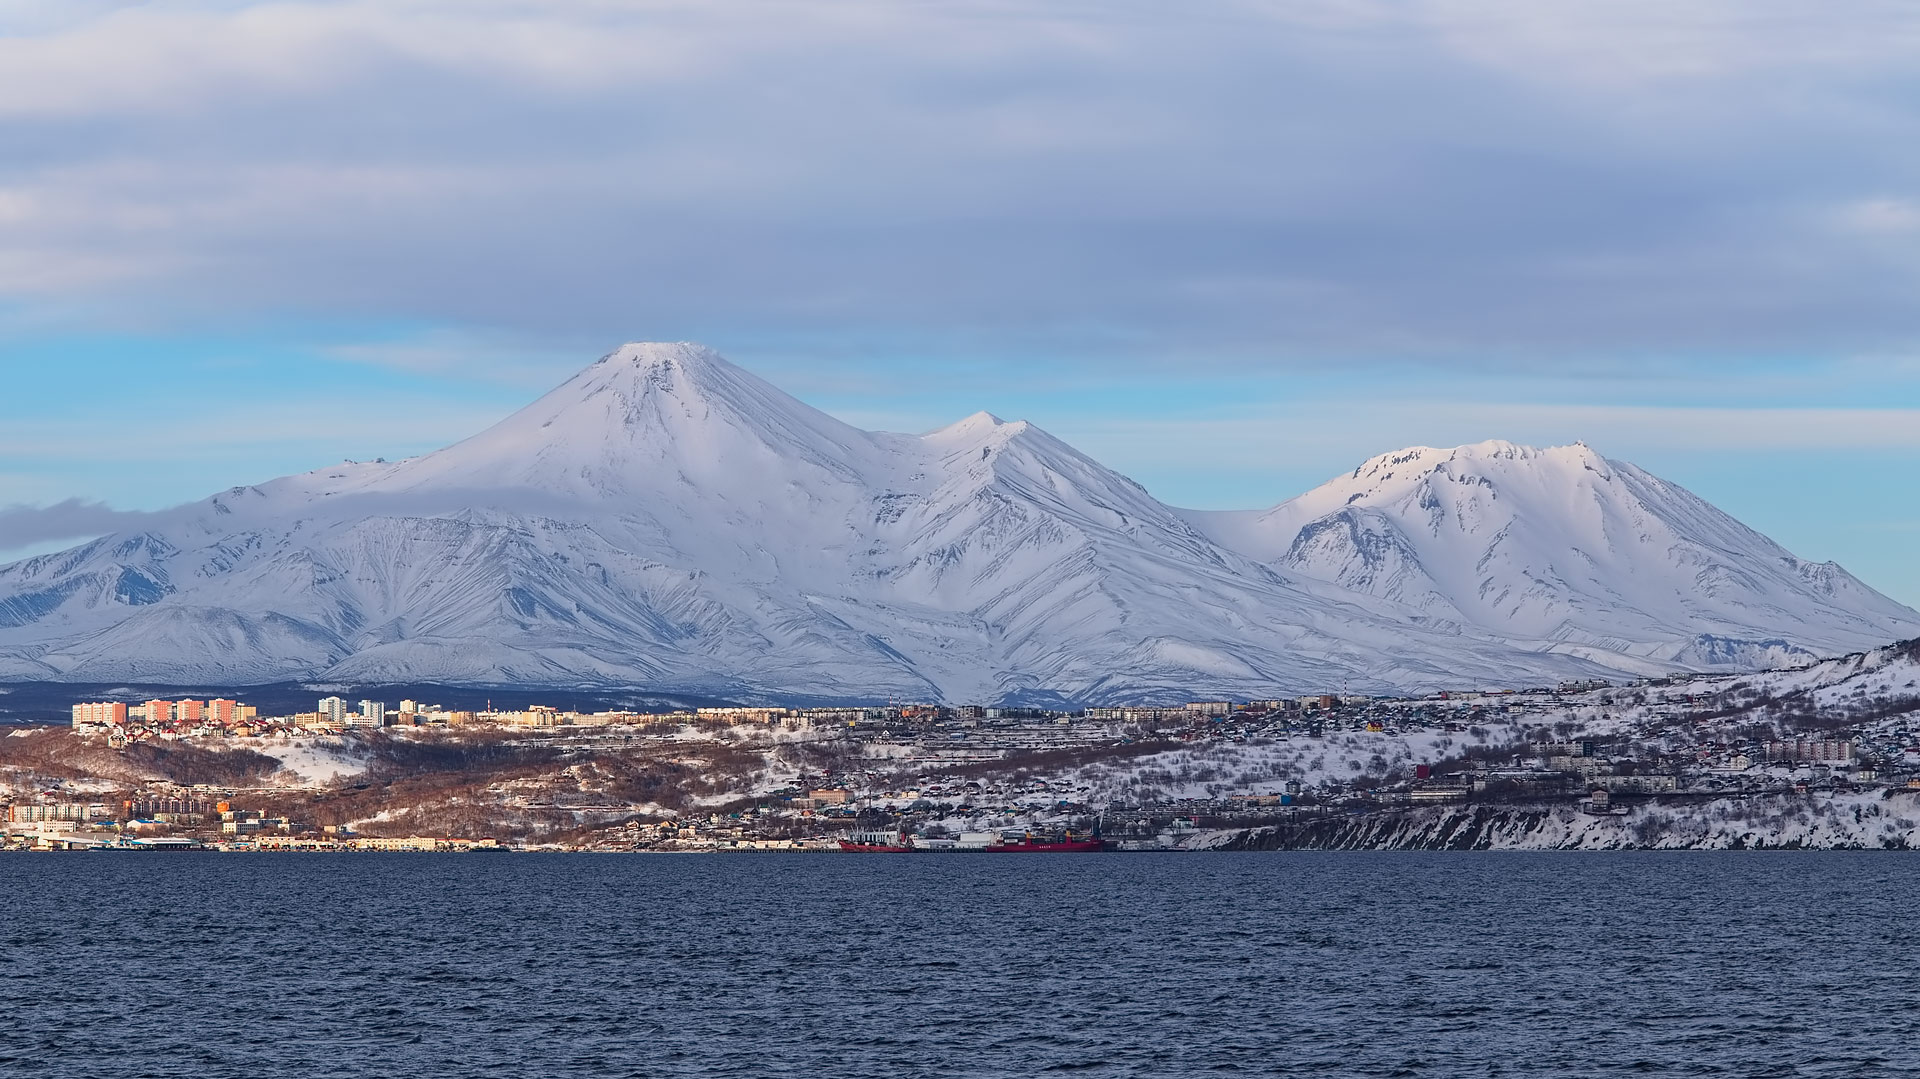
[(1217, 768), (317, 761)]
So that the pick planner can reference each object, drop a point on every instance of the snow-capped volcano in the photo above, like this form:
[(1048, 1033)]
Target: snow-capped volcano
[(645, 420), (665, 519), (1564, 545)]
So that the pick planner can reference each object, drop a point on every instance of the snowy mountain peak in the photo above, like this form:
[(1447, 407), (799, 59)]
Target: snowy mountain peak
[(1484, 464), (646, 420), (683, 369), (1415, 459), (1562, 546), (979, 421), (648, 355), (978, 430), (667, 519)]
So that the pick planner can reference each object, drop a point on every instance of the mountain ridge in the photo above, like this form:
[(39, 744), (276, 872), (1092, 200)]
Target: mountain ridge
[(1564, 544), (667, 520)]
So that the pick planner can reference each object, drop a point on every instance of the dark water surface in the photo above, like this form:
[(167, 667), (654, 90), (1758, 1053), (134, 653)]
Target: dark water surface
[(845, 967)]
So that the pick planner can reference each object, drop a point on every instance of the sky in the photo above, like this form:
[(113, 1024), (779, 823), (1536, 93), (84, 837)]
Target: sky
[(1228, 248)]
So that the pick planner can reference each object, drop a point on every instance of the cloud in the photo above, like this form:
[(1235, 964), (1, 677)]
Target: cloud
[(1259, 184), (453, 353), (393, 426), (1310, 441), (25, 526), (1889, 217)]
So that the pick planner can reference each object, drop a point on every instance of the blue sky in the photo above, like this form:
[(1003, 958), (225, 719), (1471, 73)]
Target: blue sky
[(1228, 248)]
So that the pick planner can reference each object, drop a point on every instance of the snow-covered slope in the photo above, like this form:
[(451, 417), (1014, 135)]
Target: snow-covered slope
[(1885, 679), (665, 519), (1565, 546)]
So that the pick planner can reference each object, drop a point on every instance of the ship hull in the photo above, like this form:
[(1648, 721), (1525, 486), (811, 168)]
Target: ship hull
[(1069, 846)]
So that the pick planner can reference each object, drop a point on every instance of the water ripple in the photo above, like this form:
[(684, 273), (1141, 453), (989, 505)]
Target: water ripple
[(1417, 965)]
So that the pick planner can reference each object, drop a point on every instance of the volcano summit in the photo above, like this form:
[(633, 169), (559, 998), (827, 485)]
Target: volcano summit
[(668, 521)]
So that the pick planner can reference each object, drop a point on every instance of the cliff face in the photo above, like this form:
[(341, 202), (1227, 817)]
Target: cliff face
[(1867, 821)]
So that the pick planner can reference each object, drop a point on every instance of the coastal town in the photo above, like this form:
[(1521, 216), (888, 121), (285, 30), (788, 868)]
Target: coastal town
[(411, 775)]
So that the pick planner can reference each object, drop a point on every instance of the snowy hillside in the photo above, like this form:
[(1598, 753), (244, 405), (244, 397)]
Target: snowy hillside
[(1561, 545), (1881, 682), (667, 520)]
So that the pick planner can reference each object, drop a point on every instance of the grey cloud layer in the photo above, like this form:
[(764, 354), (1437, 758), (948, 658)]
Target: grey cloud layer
[(24, 526), (1448, 179)]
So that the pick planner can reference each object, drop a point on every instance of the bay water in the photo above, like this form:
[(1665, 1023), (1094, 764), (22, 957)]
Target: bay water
[(1287, 964)]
